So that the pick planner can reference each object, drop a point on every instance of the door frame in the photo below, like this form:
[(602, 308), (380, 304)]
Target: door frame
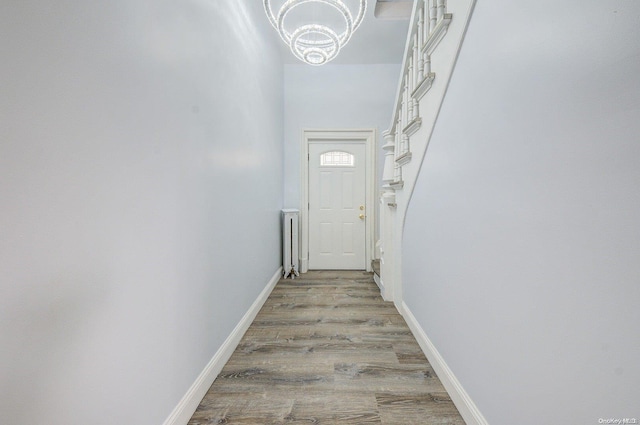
[(366, 136)]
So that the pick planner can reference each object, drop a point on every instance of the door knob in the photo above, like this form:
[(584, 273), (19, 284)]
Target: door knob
[(361, 216)]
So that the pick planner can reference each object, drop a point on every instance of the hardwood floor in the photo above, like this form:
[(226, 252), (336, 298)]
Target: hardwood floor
[(326, 349)]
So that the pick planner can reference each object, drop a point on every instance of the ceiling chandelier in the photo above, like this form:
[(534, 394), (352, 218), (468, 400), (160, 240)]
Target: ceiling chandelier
[(315, 43)]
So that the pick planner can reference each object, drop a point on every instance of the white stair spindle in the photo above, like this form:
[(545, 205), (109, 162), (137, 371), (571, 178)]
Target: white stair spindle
[(400, 150), (425, 17), (407, 99), (402, 105), (388, 173), (396, 152), (420, 43), (415, 58), (441, 9), (416, 109), (405, 118), (405, 143), (408, 87), (433, 14)]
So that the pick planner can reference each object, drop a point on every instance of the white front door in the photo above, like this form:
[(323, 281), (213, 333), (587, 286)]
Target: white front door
[(337, 214)]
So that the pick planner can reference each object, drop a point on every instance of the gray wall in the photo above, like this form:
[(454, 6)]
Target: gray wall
[(522, 241), (333, 97), (140, 188)]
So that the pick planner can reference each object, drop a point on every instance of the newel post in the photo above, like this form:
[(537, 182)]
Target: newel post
[(387, 208)]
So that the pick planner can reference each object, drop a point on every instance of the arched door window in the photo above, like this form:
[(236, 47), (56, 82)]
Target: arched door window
[(337, 159)]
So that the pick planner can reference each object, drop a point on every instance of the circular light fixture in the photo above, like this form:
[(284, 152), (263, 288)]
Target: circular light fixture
[(316, 43)]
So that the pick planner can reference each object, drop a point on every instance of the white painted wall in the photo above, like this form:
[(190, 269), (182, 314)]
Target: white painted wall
[(333, 97), (521, 249), (140, 188)]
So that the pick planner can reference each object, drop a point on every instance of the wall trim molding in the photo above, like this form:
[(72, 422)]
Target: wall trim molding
[(424, 86), (190, 401), (437, 34), (467, 408)]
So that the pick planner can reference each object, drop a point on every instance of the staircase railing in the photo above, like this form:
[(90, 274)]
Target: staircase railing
[(428, 65), (430, 22)]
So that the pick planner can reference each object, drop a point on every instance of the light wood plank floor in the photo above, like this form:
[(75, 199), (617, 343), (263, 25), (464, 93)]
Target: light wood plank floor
[(326, 349)]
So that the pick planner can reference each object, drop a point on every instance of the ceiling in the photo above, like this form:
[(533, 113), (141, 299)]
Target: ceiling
[(377, 41)]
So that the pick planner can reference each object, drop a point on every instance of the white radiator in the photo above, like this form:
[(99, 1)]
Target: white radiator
[(290, 243)]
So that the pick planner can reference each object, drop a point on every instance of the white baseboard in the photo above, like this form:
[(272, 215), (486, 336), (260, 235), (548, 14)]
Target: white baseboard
[(189, 403), (459, 396)]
